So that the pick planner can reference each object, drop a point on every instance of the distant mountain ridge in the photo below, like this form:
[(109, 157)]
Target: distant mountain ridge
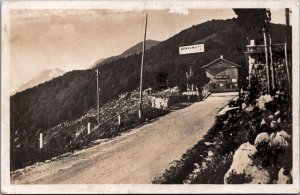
[(136, 49), (45, 75)]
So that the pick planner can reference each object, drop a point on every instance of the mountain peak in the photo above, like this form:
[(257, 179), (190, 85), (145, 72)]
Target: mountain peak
[(137, 48), (43, 76)]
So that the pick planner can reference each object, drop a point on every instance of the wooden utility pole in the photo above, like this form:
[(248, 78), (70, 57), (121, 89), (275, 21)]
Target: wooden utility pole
[(271, 63), (98, 103), (287, 44), (267, 60), (142, 65)]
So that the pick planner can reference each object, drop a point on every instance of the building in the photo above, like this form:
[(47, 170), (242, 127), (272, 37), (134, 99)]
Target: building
[(223, 75)]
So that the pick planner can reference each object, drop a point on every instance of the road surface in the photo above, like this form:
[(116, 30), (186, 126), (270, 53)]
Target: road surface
[(135, 157)]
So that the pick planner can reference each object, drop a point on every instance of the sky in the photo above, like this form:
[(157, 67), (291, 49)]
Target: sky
[(76, 39)]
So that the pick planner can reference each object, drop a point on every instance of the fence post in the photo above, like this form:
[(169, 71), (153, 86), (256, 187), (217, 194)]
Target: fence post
[(89, 128), (41, 140), (119, 119)]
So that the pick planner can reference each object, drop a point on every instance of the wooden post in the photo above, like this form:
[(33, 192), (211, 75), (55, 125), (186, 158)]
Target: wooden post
[(119, 119), (188, 92), (89, 128), (286, 62), (41, 140), (267, 60), (271, 63), (141, 77), (98, 103), (286, 46)]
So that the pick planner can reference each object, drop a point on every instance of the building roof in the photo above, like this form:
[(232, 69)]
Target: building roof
[(222, 59)]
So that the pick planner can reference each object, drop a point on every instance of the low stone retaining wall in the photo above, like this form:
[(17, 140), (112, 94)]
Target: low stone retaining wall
[(164, 103)]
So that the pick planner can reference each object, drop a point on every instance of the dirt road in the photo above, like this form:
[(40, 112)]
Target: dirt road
[(134, 157)]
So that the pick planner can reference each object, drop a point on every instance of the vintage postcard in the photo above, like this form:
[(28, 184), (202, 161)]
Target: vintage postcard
[(149, 97)]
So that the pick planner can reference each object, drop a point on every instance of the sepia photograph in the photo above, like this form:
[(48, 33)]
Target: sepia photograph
[(130, 97)]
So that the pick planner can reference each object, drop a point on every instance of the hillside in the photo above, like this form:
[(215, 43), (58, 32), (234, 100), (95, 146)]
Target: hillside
[(132, 50), (45, 75), (70, 96)]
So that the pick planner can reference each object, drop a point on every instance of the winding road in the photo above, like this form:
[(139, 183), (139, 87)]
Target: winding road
[(135, 157)]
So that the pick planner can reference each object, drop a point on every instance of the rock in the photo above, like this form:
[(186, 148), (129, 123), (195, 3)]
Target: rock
[(262, 100), (250, 108), (208, 143), (204, 165), (244, 105), (210, 153), (274, 125), (281, 140), (263, 122), (243, 169), (262, 139), (277, 113), (197, 165), (196, 170), (279, 120), (284, 177), (271, 117)]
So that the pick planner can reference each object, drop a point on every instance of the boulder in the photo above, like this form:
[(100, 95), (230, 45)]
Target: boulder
[(243, 169), (284, 177), (262, 139), (280, 140), (262, 100)]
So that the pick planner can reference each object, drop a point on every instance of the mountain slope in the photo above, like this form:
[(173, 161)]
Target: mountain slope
[(77, 88), (45, 75), (131, 51), (69, 96)]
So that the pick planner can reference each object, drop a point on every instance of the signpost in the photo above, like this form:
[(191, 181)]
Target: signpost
[(190, 49)]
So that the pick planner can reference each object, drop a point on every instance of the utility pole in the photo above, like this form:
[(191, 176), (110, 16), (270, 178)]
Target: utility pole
[(267, 60), (287, 44), (98, 103), (142, 65), (271, 64)]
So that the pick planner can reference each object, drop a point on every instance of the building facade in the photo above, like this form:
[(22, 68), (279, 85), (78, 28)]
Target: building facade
[(223, 75)]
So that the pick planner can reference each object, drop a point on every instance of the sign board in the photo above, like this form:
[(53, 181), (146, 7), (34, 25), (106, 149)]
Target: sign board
[(198, 48), (221, 77)]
